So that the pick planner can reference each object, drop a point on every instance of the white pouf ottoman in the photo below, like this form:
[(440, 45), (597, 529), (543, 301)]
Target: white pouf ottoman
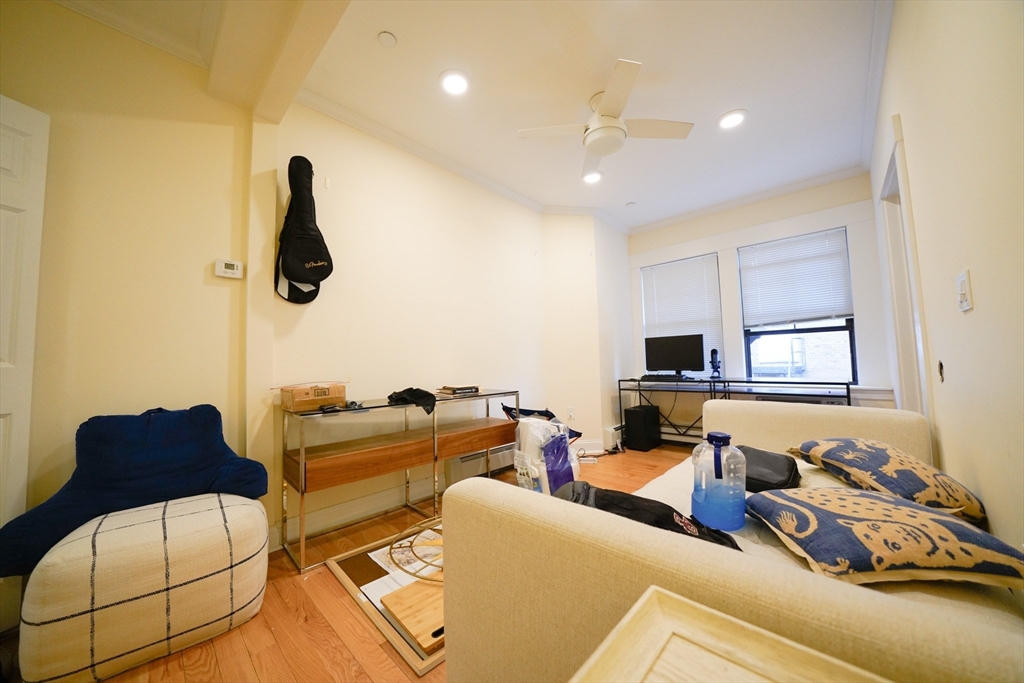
[(135, 585)]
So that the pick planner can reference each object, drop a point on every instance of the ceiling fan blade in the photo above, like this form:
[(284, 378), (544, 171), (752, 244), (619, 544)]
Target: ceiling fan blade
[(590, 164), (654, 128), (620, 85), (548, 131)]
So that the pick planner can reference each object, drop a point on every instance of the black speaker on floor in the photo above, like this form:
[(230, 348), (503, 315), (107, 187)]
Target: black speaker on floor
[(643, 428)]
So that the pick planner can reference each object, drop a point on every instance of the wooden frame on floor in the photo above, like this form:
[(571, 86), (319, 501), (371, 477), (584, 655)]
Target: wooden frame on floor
[(418, 664)]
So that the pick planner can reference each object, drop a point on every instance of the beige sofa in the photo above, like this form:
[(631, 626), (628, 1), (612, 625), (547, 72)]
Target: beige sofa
[(533, 584)]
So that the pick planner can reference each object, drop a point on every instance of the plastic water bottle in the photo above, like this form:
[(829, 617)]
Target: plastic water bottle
[(719, 483)]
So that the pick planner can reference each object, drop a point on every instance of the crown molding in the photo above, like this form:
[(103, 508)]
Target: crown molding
[(600, 214), (752, 199), (362, 123), (197, 52)]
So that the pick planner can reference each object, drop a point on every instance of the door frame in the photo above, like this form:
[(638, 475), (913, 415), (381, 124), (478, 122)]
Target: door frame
[(25, 146)]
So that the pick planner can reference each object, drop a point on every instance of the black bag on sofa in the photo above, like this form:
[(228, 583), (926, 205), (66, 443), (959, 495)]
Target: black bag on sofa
[(643, 510), (302, 256), (767, 471)]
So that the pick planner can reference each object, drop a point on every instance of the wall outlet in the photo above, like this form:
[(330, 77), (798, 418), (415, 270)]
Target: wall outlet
[(964, 300), (572, 413)]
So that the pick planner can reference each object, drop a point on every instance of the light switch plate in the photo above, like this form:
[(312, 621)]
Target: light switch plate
[(232, 269), (964, 299)]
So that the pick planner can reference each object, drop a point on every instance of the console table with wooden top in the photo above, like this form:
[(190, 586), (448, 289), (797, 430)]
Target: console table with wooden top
[(309, 468)]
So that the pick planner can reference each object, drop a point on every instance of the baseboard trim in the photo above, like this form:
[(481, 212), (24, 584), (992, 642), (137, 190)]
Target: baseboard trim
[(589, 446)]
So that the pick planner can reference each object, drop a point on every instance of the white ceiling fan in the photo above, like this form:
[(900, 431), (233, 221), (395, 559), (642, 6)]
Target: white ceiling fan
[(606, 131)]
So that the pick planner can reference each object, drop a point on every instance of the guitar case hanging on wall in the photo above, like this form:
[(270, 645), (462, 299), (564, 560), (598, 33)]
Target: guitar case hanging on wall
[(303, 261)]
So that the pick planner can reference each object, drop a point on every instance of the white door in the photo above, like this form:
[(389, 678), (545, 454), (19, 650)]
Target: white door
[(24, 136)]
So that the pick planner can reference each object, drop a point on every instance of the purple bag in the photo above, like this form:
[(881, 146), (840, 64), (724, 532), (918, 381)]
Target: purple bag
[(556, 458)]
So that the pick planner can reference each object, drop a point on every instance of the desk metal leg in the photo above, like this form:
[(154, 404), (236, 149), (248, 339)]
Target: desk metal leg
[(302, 495), (284, 490), (300, 559), (302, 531), (621, 416), (434, 464), (407, 483), (487, 455)]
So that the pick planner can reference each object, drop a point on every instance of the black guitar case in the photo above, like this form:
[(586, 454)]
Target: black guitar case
[(303, 261)]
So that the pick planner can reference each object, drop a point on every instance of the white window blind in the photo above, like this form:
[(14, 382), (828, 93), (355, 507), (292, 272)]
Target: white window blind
[(796, 279), (682, 297)]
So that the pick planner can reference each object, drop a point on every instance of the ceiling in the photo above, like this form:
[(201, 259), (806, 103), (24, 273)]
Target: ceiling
[(808, 73)]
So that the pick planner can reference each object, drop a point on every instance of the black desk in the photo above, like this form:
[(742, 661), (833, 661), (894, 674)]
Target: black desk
[(786, 390)]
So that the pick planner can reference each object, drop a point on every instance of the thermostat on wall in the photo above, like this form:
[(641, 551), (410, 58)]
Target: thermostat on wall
[(228, 269)]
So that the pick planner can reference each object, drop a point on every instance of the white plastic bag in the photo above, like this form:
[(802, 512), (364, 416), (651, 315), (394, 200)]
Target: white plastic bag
[(532, 470)]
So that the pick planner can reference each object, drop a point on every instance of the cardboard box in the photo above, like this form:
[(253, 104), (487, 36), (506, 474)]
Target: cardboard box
[(301, 398)]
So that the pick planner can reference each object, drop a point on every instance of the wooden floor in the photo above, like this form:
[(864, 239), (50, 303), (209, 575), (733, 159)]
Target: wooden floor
[(310, 629)]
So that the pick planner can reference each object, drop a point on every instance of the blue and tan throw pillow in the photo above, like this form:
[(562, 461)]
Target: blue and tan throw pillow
[(877, 466), (866, 536)]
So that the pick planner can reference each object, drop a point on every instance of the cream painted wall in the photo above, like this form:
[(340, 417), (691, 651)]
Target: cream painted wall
[(955, 74), (571, 346), (428, 272), (436, 281), (147, 185), (263, 434), (615, 322)]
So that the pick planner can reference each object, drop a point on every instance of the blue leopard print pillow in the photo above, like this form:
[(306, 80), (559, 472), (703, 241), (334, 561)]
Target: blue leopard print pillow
[(866, 536), (877, 466)]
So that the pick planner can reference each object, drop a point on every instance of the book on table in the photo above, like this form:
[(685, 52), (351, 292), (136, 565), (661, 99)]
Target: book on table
[(456, 390)]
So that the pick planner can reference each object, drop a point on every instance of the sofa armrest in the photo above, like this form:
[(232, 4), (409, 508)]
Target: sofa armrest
[(777, 426), (533, 584)]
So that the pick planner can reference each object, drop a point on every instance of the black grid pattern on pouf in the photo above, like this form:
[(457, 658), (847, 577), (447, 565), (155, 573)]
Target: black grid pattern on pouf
[(174, 523)]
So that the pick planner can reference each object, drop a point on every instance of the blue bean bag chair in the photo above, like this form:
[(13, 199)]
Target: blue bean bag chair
[(127, 461)]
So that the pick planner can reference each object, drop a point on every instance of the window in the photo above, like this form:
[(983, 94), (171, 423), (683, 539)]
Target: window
[(682, 297), (798, 308)]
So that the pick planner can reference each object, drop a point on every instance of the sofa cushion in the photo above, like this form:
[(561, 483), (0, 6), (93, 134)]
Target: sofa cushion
[(865, 536), (877, 466), (127, 461)]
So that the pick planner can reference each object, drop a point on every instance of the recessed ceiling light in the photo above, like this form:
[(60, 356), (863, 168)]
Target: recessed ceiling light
[(454, 82), (387, 39), (592, 177), (732, 118)]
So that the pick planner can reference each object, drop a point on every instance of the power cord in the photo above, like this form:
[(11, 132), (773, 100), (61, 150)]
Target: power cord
[(681, 431)]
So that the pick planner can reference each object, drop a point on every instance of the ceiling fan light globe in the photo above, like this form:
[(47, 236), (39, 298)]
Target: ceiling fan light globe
[(592, 177), (601, 142)]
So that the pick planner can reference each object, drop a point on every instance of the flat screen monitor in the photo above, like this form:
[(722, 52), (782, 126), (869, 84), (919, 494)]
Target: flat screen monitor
[(682, 353)]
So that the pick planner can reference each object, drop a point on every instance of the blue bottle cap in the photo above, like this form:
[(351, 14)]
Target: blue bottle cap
[(719, 438)]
